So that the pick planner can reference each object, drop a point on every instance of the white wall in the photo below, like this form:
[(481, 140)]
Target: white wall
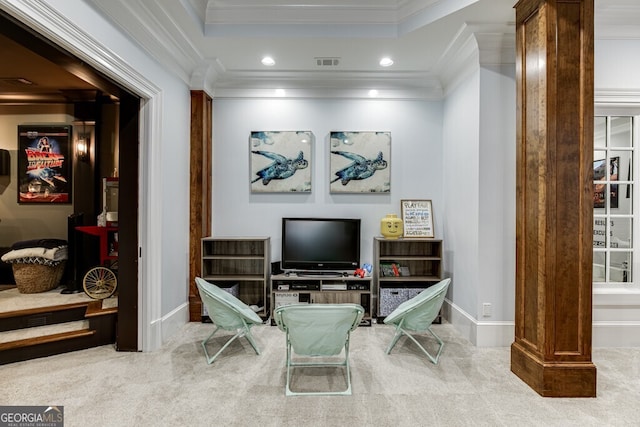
[(616, 311), (479, 193), (174, 240), (416, 163), (461, 192), (497, 201), (616, 67)]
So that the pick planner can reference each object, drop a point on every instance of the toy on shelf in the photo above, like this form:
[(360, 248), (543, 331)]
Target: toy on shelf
[(365, 271)]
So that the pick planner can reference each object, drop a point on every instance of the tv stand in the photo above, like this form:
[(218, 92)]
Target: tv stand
[(297, 289)]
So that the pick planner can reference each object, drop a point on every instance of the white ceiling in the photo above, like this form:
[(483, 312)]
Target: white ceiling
[(218, 44), (223, 41)]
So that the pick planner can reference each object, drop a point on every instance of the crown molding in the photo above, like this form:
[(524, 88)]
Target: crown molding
[(617, 98), (346, 18), (328, 84), (205, 75), (328, 93), (157, 32), (473, 46), (427, 15)]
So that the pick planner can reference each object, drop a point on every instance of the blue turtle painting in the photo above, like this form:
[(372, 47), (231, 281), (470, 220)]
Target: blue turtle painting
[(361, 168), (281, 168)]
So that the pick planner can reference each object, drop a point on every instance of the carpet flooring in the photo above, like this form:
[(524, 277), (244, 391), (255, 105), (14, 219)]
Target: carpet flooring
[(174, 386), (12, 300)]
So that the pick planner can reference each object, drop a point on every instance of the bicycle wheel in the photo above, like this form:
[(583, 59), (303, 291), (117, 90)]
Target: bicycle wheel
[(100, 283)]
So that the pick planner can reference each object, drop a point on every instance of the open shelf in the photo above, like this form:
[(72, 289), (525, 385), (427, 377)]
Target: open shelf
[(403, 268), (240, 265)]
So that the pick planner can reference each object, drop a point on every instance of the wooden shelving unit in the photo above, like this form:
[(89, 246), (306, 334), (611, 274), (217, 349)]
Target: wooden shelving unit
[(418, 265), (240, 264)]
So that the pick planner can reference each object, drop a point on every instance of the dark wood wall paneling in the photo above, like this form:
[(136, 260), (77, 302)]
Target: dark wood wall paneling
[(129, 246), (200, 191)]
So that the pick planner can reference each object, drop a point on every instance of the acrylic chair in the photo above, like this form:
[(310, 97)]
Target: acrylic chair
[(417, 315), (318, 331), (228, 313)]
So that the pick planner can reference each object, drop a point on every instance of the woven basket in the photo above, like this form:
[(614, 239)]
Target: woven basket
[(35, 278)]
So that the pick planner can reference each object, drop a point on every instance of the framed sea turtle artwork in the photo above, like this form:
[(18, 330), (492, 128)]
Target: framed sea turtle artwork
[(360, 162), (280, 161)]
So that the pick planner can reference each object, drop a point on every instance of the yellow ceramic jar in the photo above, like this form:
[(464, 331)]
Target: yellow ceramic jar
[(391, 227)]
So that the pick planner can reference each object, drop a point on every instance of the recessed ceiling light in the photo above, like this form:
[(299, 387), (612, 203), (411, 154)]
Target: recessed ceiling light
[(268, 61), (386, 62), (373, 93), (280, 92)]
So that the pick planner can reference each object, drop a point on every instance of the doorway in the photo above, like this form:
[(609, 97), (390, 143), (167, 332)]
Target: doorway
[(129, 104)]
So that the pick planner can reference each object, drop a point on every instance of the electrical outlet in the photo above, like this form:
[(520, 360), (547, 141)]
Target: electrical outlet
[(486, 309)]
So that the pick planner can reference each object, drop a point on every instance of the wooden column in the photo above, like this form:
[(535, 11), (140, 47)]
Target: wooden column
[(554, 80), (200, 191)]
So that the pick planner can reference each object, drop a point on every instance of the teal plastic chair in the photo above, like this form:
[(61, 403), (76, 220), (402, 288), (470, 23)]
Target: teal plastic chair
[(318, 330), (417, 315), (228, 313)]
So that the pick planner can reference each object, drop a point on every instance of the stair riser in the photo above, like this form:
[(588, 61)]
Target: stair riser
[(101, 332), (42, 319)]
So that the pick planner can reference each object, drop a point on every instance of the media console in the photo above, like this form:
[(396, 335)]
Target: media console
[(333, 289)]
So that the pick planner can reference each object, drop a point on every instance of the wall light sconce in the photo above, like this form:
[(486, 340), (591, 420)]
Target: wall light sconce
[(82, 149), (82, 144)]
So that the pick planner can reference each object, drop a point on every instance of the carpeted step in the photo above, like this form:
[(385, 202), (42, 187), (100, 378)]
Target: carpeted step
[(46, 339)]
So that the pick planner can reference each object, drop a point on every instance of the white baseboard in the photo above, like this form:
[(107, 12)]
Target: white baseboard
[(616, 334), (153, 340), (501, 334), (480, 334), (173, 321), (161, 330)]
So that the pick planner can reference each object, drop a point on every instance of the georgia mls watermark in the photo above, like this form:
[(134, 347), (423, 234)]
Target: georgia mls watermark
[(31, 416)]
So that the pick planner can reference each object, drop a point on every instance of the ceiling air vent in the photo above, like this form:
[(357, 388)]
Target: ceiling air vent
[(327, 62)]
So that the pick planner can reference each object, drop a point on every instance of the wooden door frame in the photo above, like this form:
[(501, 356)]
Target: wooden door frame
[(128, 218)]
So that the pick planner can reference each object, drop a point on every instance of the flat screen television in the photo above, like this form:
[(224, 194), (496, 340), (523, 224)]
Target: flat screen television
[(320, 244)]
